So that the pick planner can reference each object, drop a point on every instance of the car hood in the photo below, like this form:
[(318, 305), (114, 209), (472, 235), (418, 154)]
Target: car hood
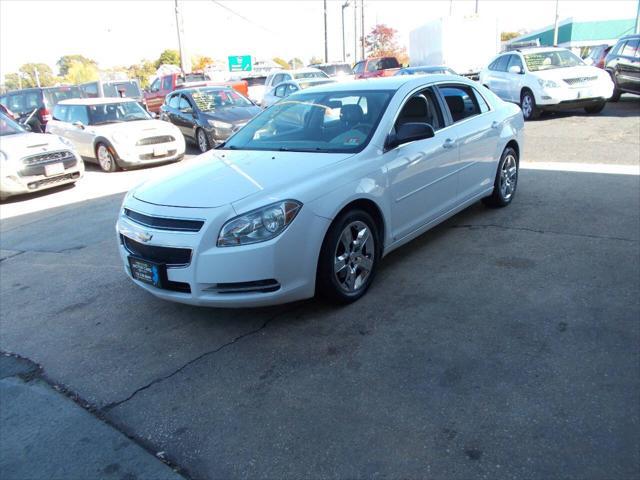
[(233, 115), (560, 74), (25, 144), (222, 177), (136, 129)]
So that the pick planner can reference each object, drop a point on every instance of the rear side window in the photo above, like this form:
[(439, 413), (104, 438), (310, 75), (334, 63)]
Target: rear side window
[(389, 62), (167, 84), (90, 90), (55, 95), (630, 48), (461, 101), (500, 63), (372, 66)]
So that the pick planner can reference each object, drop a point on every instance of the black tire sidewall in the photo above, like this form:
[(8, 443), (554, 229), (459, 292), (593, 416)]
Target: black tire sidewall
[(532, 115), (326, 283)]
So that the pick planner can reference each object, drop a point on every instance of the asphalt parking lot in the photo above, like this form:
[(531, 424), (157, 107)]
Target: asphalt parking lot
[(501, 344)]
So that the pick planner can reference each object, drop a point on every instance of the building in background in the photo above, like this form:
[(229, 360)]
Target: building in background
[(577, 35)]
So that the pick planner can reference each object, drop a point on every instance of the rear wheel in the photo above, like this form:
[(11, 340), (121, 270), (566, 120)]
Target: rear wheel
[(530, 111), (616, 91), (106, 158), (597, 108), (348, 258), (506, 181)]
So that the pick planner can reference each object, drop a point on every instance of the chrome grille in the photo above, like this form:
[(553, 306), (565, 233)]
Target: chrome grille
[(155, 140), (164, 223), (579, 80), (48, 157)]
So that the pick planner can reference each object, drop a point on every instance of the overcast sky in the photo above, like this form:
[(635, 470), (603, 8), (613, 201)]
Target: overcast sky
[(116, 32)]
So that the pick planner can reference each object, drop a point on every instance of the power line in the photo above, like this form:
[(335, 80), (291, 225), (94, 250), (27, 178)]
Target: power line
[(243, 17)]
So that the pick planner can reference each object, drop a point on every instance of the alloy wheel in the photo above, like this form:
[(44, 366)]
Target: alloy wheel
[(527, 105), (105, 158), (508, 177), (354, 257), (202, 141)]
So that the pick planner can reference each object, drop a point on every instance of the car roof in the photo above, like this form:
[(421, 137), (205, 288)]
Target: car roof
[(95, 101), (200, 87), (526, 50), (389, 83), (426, 67)]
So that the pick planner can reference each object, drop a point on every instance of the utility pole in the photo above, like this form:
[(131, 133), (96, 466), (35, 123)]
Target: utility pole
[(355, 31), (637, 27), (344, 51), (179, 39), (555, 27), (362, 25), (37, 75), (476, 7), (326, 45)]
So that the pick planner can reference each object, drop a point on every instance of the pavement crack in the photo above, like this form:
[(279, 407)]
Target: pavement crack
[(15, 254), (543, 232), (155, 381)]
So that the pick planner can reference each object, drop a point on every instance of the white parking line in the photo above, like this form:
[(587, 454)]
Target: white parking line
[(583, 167)]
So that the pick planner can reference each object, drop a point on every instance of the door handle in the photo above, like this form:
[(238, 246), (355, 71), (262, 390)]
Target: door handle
[(449, 143), (495, 124)]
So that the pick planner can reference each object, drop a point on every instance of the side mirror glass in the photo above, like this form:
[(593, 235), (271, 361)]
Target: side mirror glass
[(409, 132), (516, 69)]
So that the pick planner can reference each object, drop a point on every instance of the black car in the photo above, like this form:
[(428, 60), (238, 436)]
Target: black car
[(623, 64), (426, 70), (33, 106), (208, 115)]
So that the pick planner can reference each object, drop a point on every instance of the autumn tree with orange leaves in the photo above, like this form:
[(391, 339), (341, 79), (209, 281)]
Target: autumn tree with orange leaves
[(381, 42)]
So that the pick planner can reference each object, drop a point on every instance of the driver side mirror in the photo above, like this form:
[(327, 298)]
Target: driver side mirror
[(409, 132), (516, 69)]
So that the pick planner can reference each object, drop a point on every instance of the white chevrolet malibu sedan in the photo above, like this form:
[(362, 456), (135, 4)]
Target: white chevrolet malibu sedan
[(116, 133), (312, 193)]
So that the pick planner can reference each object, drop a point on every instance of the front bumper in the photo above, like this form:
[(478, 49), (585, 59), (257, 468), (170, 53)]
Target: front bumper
[(135, 156), (16, 181), (574, 97), (228, 276)]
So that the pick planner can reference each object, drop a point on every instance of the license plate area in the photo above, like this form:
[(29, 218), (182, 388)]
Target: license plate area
[(53, 169), (160, 151), (148, 272)]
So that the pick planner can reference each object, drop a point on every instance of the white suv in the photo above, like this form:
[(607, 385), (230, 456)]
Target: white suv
[(548, 79), (116, 133)]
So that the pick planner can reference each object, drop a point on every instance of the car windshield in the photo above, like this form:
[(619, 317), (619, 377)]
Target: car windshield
[(332, 122), (317, 74), (313, 83), (9, 127), (548, 60), (210, 99), (116, 113)]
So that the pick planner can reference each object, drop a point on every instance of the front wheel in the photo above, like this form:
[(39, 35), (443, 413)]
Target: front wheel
[(348, 258), (106, 158), (203, 141), (506, 181), (530, 110), (597, 108)]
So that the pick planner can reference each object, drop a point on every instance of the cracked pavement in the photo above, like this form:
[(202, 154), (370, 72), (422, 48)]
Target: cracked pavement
[(502, 344)]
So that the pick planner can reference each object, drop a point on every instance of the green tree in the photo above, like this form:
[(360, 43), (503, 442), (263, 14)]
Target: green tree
[(506, 36), (296, 63), (142, 71), (65, 62), (28, 71), (81, 72), (281, 62), (200, 62), (11, 81), (168, 57)]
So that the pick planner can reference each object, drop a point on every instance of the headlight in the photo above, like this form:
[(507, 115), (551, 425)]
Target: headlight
[(547, 83), (219, 124), (66, 142), (120, 137), (259, 225)]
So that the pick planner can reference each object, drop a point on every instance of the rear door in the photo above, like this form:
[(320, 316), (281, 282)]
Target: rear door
[(629, 66), (475, 129), (496, 80)]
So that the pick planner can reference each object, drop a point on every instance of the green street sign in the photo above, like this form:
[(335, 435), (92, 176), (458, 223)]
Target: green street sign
[(239, 63)]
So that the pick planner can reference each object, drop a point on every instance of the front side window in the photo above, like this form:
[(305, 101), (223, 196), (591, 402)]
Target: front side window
[(373, 66), (78, 113), (358, 67), (60, 112), (549, 60), (155, 86), (331, 122), (422, 108), (184, 104), (515, 61), (116, 113), (174, 101), (461, 101), (501, 63)]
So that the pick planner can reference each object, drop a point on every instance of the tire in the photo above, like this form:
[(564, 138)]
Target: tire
[(352, 279), (595, 108), (530, 110), (503, 193), (616, 91), (106, 158), (202, 140)]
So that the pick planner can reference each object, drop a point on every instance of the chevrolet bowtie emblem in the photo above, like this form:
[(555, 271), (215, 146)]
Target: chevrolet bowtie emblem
[(144, 236)]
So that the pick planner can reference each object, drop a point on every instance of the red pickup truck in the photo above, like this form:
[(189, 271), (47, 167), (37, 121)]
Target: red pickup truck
[(376, 67), (166, 84)]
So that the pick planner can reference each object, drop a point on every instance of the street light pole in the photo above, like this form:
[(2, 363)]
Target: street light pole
[(555, 27), (344, 51), (326, 45), (179, 39), (637, 27), (355, 31), (362, 25)]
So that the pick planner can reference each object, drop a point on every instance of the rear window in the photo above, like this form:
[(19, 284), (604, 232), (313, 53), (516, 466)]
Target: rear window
[(318, 74), (191, 77), (389, 62), (57, 94), (255, 81), (122, 90), (24, 102)]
